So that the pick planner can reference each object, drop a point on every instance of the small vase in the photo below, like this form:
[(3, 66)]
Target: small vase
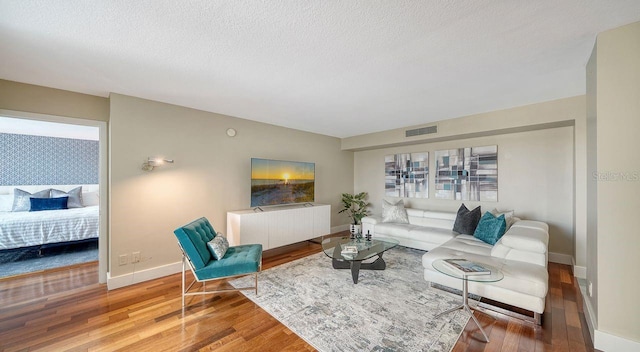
[(355, 229)]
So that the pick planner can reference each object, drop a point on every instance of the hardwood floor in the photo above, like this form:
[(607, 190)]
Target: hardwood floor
[(67, 310)]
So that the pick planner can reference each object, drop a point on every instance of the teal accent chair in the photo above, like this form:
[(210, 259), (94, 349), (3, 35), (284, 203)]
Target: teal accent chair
[(237, 261)]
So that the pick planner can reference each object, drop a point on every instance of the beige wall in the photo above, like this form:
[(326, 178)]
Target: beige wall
[(556, 113), (618, 185), (591, 195), (535, 162), (210, 176), (535, 178), (42, 100)]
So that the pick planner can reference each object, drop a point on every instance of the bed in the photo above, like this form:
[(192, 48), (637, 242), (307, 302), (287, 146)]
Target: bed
[(48, 227)]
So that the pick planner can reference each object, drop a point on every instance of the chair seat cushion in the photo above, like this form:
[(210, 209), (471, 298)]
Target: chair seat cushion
[(238, 260)]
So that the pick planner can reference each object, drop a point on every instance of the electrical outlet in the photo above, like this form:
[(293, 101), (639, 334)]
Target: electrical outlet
[(590, 288), (135, 257), (122, 259)]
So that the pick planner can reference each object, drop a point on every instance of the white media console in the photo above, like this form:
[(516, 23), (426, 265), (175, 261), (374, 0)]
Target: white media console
[(278, 226)]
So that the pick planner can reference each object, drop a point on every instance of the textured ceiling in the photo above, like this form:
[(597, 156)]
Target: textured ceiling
[(339, 68)]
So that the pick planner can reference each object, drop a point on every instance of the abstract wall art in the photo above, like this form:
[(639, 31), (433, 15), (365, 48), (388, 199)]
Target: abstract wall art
[(467, 174), (407, 175)]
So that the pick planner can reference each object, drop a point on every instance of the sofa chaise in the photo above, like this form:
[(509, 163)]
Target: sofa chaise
[(521, 254)]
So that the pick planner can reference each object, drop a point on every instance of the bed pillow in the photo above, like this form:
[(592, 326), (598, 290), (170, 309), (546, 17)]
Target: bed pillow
[(90, 198), (218, 247), (75, 196), (394, 212), (467, 220), (6, 202), (39, 204), (21, 200)]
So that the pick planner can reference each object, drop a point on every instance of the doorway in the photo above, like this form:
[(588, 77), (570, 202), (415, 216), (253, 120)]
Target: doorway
[(58, 127)]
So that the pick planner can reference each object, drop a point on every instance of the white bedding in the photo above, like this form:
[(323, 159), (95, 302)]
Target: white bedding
[(23, 229)]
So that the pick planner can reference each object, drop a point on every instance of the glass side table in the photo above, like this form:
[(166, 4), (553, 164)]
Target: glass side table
[(496, 275)]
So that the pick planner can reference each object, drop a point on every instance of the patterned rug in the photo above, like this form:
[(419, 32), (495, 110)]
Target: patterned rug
[(388, 310), (27, 260)]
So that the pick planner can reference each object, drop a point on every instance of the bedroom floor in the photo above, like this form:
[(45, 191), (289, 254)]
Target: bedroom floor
[(16, 262)]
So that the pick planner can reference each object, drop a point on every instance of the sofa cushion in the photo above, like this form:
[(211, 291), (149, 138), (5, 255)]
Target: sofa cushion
[(431, 218), (525, 241), (239, 260), (393, 229), (466, 220), (518, 276), (431, 234), (468, 244), (394, 212), (490, 228)]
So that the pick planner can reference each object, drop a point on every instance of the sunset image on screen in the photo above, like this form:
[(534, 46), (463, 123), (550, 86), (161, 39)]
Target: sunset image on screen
[(276, 182)]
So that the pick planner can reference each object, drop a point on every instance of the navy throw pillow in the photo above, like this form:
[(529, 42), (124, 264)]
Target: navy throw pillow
[(466, 220), (490, 228), (38, 204)]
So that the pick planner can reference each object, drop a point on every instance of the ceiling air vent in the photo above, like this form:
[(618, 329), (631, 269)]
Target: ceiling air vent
[(421, 131)]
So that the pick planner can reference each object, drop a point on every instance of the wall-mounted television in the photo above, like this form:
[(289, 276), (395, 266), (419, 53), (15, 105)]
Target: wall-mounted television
[(277, 182)]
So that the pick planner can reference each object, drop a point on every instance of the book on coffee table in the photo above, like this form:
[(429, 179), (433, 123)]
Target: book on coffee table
[(349, 250), (466, 267)]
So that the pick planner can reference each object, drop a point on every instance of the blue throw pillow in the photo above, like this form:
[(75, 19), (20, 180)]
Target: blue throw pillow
[(38, 204), (490, 228)]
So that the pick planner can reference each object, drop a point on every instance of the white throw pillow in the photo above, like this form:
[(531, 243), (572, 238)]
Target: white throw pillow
[(508, 216), (394, 212)]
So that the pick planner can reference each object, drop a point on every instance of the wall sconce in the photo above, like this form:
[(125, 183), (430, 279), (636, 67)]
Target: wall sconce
[(150, 164)]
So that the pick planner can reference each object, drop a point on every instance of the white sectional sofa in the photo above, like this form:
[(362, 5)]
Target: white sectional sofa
[(426, 229), (521, 254)]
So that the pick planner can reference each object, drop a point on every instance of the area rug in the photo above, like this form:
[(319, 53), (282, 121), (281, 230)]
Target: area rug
[(388, 310), (16, 262)]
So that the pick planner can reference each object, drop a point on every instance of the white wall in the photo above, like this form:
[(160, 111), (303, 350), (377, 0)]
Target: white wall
[(210, 176), (535, 178)]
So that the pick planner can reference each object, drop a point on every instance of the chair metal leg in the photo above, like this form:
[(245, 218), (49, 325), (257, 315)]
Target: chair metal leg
[(183, 283), (256, 274)]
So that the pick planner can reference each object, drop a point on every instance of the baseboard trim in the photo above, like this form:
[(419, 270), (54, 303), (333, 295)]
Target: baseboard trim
[(589, 316), (142, 275), (560, 258), (580, 271), (612, 343)]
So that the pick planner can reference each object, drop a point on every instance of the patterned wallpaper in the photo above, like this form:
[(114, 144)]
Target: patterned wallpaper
[(36, 160)]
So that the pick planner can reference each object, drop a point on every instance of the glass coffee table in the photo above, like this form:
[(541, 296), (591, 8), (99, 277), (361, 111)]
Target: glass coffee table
[(333, 246), (495, 275)]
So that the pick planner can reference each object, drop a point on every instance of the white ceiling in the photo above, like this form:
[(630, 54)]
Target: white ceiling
[(339, 68)]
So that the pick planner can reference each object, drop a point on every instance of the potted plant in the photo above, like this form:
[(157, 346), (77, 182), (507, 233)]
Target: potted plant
[(355, 206)]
